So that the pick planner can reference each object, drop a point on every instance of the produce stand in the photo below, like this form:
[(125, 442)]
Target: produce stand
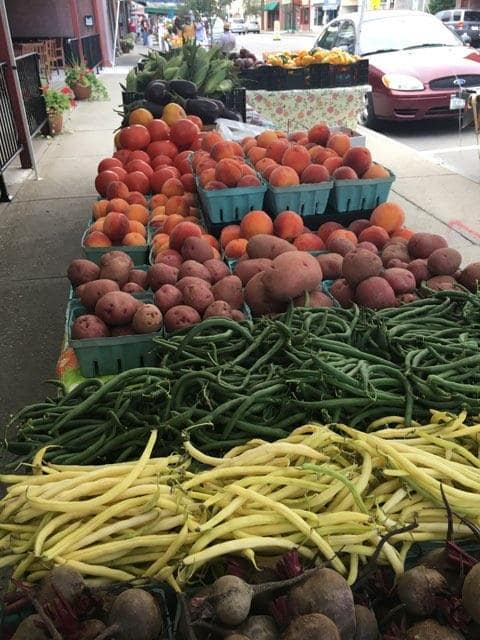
[(305, 426), (295, 109)]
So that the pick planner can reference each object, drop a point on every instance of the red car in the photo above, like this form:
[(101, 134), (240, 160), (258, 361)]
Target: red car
[(416, 63)]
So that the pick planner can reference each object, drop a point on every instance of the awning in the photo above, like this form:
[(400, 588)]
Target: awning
[(161, 9), (271, 6)]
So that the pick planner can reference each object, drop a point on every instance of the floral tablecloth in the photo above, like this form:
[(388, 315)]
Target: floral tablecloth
[(302, 109)]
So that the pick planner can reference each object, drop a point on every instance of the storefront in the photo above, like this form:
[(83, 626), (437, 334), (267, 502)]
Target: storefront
[(322, 12), (295, 15), (271, 15)]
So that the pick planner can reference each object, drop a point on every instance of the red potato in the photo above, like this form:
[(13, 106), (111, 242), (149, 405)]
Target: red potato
[(368, 246), (179, 317), (401, 280), (444, 261), (194, 269), (291, 274), (147, 319), (170, 257), (139, 277), (218, 269), (183, 282), (340, 245), (111, 256), (315, 299), (470, 276), (199, 297), (218, 309), (246, 269), (395, 263), (81, 271), (331, 265), (441, 283), (167, 296), (266, 246), (132, 287), (159, 274), (406, 298), (357, 226), (116, 308), (343, 293), (258, 299), (91, 292), (238, 315), (375, 293), (89, 326), (229, 289), (117, 270), (394, 250), (421, 245), (197, 249), (359, 265), (420, 270)]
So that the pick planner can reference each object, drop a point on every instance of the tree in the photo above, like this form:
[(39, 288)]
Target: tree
[(208, 8), (253, 7), (434, 6)]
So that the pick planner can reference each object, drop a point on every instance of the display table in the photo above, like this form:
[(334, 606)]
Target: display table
[(302, 109)]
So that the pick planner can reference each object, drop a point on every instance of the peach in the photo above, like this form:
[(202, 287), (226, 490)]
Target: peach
[(332, 163), (159, 211), (284, 177), (375, 171), (222, 149), (158, 222), (403, 233), (108, 163), (277, 149), (173, 187), (388, 215), (171, 222), (212, 241), (138, 213), (98, 224), (215, 185), (297, 136), (116, 226), (139, 165), (262, 165), (162, 147), (160, 242), (247, 143), (161, 161), (296, 157), (135, 197), (117, 204), (230, 232), (183, 162), (320, 155), (247, 170), (206, 176), (236, 248), (254, 223), (344, 233), (121, 173), (206, 163), (255, 154), (266, 138), (344, 173), (157, 200), (308, 242), (210, 139), (327, 228), (177, 204), (183, 133), (138, 181), (138, 154), (376, 235), (339, 142), (228, 172), (249, 181), (319, 134), (133, 239), (182, 231), (103, 184), (99, 209), (288, 225), (268, 171), (359, 159), (158, 129), (314, 173), (238, 150), (97, 239), (160, 177), (197, 157), (191, 199), (188, 182)]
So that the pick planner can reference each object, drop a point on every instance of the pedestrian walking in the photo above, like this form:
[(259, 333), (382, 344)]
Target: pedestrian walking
[(200, 32), (227, 40)]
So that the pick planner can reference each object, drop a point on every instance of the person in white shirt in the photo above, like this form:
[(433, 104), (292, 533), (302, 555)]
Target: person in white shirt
[(227, 41)]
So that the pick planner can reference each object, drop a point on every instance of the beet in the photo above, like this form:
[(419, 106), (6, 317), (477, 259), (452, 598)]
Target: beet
[(31, 628), (418, 589), (260, 628), (432, 630), (313, 626), (471, 593), (135, 615), (366, 624)]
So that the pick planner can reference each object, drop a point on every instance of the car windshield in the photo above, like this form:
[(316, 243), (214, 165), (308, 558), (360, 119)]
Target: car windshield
[(406, 32), (472, 16)]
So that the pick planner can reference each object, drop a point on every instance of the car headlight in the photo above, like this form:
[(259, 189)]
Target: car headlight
[(399, 82)]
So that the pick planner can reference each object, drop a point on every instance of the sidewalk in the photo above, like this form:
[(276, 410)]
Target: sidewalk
[(40, 233)]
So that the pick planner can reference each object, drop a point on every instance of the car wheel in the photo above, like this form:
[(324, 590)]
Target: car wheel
[(367, 117)]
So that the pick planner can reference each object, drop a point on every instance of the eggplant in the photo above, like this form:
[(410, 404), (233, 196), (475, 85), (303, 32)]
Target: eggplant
[(221, 106), (232, 115), (206, 109), (155, 109), (155, 91), (183, 88)]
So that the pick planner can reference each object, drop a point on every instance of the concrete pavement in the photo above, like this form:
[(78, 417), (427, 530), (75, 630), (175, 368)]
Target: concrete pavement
[(40, 233)]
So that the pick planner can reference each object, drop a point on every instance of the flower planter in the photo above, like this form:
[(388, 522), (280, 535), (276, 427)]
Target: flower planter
[(55, 121), (81, 91)]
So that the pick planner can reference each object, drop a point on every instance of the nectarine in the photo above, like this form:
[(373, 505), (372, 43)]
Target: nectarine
[(254, 223), (284, 177), (288, 225)]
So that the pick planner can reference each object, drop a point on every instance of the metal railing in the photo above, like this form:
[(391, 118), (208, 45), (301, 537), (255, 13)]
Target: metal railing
[(29, 76), (92, 52), (9, 143)]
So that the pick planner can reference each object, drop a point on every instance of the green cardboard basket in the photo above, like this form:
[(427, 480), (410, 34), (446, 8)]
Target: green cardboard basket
[(304, 199), (109, 356), (230, 205), (139, 255), (360, 195)]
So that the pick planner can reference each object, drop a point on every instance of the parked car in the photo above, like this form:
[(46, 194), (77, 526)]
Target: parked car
[(237, 25), (416, 63), (253, 26), (464, 22)]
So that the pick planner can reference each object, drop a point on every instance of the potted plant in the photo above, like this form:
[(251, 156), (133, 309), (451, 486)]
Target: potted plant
[(84, 82), (57, 101), (127, 43)]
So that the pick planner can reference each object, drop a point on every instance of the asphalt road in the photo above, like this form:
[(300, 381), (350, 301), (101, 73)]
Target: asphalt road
[(440, 141)]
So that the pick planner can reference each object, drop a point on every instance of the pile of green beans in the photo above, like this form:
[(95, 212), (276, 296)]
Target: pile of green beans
[(225, 382)]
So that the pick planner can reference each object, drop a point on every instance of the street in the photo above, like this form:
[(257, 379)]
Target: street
[(439, 141)]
